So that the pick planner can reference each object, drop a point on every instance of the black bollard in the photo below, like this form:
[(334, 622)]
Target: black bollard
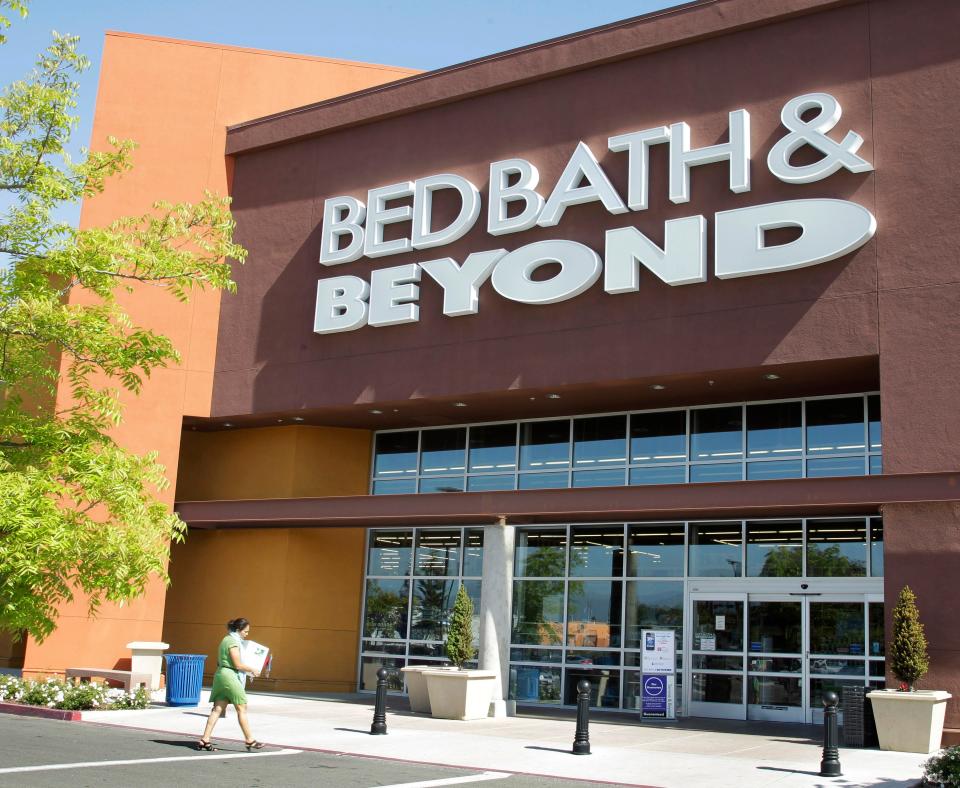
[(830, 765), (581, 741), (379, 727)]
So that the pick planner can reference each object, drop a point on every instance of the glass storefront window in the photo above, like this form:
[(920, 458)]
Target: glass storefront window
[(441, 484), (394, 486), (775, 627), (877, 643), (715, 550), (431, 607), (873, 421), (835, 426), (775, 430), (718, 626), (368, 673), (604, 687), (438, 552), (537, 612), (655, 550), (596, 551), (395, 454), (716, 688), (775, 469), (658, 437), (493, 448), (442, 452), (610, 477), (488, 483), (389, 553), (836, 628), (599, 442), (545, 445), (834, 466), (653, 604), (775, 549), (535, 684), (716, 433), (594, 611), (659, 474), (473, 552), (716, 472), (386, 609), (837, 548), (541, 552), (876, 547), (543, 481)]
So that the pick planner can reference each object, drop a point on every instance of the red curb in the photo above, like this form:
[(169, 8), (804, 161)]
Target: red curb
[(24, 710)]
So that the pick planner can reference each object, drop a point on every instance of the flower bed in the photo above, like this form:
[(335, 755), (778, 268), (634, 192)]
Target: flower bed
[(70, 695)]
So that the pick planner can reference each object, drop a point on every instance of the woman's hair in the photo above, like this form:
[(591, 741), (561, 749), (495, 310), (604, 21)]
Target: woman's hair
[(237, 624)]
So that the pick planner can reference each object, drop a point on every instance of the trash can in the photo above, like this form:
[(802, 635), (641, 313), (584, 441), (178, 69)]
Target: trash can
[(184, 679)]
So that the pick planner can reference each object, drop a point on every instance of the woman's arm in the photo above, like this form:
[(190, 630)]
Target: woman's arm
[(238, 665)]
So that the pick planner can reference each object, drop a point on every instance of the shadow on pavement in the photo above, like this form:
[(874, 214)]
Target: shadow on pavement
[(788, 771), (353, 730), (548, 749)]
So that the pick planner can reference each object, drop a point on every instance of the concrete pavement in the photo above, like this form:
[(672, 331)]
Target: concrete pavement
[(688, 753)]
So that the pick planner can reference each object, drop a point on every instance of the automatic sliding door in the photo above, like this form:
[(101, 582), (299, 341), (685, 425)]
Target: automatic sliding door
[(717, 656), (775, 659)]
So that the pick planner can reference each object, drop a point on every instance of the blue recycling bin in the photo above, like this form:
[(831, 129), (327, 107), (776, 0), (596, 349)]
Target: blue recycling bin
[(184, 679)]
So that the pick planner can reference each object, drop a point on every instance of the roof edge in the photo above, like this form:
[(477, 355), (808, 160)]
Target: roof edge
[(651, 32)]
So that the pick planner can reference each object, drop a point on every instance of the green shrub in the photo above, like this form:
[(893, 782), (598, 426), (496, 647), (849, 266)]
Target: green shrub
[(943, 768), (909, 660), (70, 695), (460, 636)]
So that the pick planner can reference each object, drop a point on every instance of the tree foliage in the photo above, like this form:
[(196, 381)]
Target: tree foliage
[(909, 661), (459, 644), (79, 511)]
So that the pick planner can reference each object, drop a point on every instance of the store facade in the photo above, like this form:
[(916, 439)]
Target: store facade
[(651, 326)]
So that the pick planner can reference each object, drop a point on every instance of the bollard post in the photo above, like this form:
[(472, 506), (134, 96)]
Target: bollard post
[(379, 727), (581, 740), (830, 765)]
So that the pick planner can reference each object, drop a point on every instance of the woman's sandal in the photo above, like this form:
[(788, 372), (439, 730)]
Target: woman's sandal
[(205, 745), (254, 745)]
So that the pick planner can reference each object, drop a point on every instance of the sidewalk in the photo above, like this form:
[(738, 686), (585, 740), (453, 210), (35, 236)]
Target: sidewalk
[(691, 753)]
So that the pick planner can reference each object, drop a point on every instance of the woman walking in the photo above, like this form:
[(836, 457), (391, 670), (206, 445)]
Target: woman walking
[(228, 685)]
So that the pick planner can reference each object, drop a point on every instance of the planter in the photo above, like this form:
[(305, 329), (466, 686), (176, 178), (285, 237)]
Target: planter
[(909, 721), (417, 686), (460, 694)]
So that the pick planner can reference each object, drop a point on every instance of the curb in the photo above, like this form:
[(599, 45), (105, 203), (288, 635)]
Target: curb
[(23, 710)]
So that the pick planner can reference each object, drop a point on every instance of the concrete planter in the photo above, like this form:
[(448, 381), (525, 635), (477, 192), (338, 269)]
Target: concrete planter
[(417, 686), (460, 694), (909, 721)]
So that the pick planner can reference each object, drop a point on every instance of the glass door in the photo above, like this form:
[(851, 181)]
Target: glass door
[(775, 680), (836, 650), (717, 654)]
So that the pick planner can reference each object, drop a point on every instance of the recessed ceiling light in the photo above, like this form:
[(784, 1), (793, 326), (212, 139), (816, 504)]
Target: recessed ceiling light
[(298, 418), (532, 399), (771, 376), (396, 410), (227, 424), (553, 396), (459, 404), (658, 387), (376, 412), (279, 421)]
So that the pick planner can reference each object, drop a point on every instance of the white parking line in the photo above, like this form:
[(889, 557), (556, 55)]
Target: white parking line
[(475, 778), (138, 761)]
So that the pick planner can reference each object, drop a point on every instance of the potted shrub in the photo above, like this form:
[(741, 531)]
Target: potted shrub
[(460, 694), (909, 720)]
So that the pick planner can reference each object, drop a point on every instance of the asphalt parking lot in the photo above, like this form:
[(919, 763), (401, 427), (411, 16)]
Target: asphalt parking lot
[(35, 752)]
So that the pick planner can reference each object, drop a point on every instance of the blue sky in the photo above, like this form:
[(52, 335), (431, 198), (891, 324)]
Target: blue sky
[(422, 34)]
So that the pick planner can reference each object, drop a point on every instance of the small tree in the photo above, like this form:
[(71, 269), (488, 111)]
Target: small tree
[(909, 660), (460, 636)]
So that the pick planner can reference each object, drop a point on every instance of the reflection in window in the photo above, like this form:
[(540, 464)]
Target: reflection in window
[(541, 552), (537, 612), (775, 430), (716, 472), (394, 486), (837, 548), (438, 552), (487, 483), (604, 687), (715, 550), (873, 420), (836, 628), (599, 441), (473, 553), (442, 451), (775, 627), (653, 604), (545, 445), (835, 426), (493, 448), (605, 478), (775, 549), (716, 433), (395, 454), (543, 481), (535, 684), (596, 551), (389, 553), (877, 647), (441, 484), (431, 608), (385, 614), (594, 610), (876, 547), (655, 550), (834, 466), (658, 437), (659, 474), (775, 469)]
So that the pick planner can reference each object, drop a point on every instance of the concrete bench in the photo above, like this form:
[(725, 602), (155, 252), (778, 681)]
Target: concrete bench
[(128, 678)]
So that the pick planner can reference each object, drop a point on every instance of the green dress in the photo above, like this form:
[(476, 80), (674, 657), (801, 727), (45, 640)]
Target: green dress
[(228, 682)]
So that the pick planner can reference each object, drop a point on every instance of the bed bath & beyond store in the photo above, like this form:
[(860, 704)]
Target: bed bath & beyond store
[(648, 327)]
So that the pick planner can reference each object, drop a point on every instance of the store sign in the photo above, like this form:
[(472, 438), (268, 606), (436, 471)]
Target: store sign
[(829, 228), (658, 662)]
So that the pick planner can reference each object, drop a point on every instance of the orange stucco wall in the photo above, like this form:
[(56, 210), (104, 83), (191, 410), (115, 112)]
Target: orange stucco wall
[(175, 99), (300, 588), (274, 462)]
